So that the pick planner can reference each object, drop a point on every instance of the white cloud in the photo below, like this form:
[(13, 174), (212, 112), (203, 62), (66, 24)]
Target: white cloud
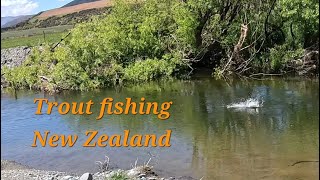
[(17, 7)]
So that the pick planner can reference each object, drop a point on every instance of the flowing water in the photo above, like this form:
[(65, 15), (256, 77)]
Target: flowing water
[(220, 130)]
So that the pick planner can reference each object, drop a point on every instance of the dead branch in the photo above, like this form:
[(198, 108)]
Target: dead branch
[(263, 74), (307, 64), (235, 56), (298, 162), (103, 166)]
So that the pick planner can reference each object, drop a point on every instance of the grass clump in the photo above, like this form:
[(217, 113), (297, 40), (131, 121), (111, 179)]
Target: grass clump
[(119, 176)]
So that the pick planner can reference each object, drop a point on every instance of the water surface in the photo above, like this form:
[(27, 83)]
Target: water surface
[(210, 137)]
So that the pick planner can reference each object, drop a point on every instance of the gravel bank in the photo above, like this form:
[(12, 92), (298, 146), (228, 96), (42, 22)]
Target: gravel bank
[(13, 57), (14, 171), (11, 170)]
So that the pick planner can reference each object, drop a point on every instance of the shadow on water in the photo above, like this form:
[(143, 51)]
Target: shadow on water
[(208, 138)]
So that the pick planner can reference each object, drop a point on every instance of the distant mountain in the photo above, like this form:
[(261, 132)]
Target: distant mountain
[(11, 21), (76, 2), (5, 20)]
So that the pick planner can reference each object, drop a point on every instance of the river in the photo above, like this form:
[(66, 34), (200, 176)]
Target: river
[(240, 129)]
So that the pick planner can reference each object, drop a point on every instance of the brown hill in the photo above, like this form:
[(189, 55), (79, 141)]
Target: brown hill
[(76, 2), (75, 8)]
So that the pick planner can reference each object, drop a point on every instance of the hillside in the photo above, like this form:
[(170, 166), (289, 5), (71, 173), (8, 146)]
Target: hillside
[(70, 14), (13, 20), (58, 20), (75, 8), (5, 20), (76, 2)]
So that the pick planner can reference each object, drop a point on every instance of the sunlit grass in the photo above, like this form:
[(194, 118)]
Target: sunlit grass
[(32, 40)]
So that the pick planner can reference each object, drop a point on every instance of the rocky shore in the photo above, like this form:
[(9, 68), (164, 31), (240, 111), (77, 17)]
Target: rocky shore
[(11, 170)]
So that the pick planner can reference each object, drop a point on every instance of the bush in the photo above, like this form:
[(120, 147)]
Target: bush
[(280, 56), (149, 69)]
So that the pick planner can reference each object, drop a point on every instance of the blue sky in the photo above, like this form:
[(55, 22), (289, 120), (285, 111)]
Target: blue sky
[(27, 7)]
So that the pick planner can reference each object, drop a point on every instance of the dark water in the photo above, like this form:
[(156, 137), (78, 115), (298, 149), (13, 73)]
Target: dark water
[(208, 140)]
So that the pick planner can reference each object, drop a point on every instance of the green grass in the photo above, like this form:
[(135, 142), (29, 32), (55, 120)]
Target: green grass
[(32, 40), (34, 31), (33, 37), (119, 176)]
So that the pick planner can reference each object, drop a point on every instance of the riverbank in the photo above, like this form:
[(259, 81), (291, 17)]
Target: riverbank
[(13, 58), (11, 170)]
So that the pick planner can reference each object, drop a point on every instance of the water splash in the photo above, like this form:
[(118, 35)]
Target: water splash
[(249, 103)]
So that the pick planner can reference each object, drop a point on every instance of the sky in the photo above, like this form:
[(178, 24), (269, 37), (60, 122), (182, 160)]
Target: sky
[(28, 7)]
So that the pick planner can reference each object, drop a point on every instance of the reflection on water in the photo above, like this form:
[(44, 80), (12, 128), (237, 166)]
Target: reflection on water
[(208, 139)]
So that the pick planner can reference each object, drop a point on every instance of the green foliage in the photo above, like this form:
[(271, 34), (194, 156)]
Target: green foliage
[(281, 55), (118, 176), (149, 69), (301, 19), (217, 73), (146, 40)]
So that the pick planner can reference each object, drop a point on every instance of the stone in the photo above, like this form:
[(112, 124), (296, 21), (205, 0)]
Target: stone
[(142, 175), (67, 178), (133, 172), (86, 176)]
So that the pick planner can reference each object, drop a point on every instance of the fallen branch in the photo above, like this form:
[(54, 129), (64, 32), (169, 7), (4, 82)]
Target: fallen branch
[(298, 162), (263, 74)]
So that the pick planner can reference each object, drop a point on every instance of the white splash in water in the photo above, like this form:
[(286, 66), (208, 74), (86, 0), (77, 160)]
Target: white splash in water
[(249, 103)]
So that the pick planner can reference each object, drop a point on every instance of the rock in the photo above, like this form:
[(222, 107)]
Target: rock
[(86, 176), (67, 178), (152, 178), (142, 175), (133, 172)]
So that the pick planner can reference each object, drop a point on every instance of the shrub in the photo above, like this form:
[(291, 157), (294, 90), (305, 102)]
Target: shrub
[(280, 56)]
